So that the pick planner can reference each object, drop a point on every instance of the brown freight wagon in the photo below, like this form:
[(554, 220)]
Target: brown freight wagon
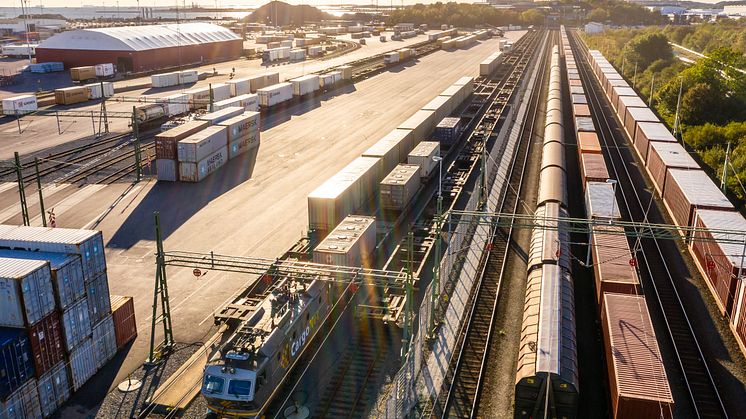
[(637, 378), (123, 314), (720, 263), (581, 110), (588, 143), (47, 342), (647, 132), (626, 102), (576, 83), (686, 190), (665, 156), (166, 143), (593, 168), (71, 95), (634, 116), (612, 264)]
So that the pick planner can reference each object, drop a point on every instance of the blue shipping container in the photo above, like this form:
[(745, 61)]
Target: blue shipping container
[(50, 67), (16, 362)]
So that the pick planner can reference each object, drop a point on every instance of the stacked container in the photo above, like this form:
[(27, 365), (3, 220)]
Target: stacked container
[(213, 118), (202, 153), (166, 148), (243, 133), (305, 85), (263, 80), (123, 314), (275, 94)]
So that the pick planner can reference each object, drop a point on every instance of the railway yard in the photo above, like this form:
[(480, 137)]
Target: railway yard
[(548, 250)]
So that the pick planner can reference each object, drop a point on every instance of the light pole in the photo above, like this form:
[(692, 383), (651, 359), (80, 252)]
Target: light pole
[(435, 286), (613, 183), (439, 160)]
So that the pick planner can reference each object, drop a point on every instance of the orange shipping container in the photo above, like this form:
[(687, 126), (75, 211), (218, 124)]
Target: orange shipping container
[(123, 312)]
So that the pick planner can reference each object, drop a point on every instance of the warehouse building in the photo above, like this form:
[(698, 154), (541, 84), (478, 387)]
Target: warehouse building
[(142, 48)]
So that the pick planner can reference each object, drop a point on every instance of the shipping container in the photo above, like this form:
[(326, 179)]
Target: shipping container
[(166, 143), (20, 105), (647, 132), (629, 102), (83, 73), (263, 80), (664, 156), (164, 80), (330, 79), (89, 244), (305, 85), (99, 90), (20, 51), (721, 262), (48, 67), (579, 99), (400, 186), (286, 43), (240, 86), (424, 156), (636, 115), (593, 168), (82, 364), (637, 378), (584, 123), (71, 95), (619, 91), (98, 298), (315, 50), (47, 342), (613, 264), (581, 110), (600, 202), (391, 57), (297, 54), (196, 172), (23, 403), (177, 104), (276, 54), (104, 341), (391, 149), (588, 142), (123, 313), (240, 126), (421, 123), (243, 144), (686, 190), (219, 116), (167, 170), (201, 144), (105, 70), (488, 66), (351, 243), (67, 273), (187, 76), (249, 102), (54, 388), (16, 360), (576, 90), (199, 98), (346, 72), (26, 291), (443, 106), (76, 324), (275, 94)]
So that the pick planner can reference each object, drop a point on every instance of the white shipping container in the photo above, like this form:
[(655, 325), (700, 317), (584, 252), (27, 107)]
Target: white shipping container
[(240, 86), (200, 97), (19, 50), (423, 155), (286, 43), (243, 144), (400, 186), (54, 388), (89, 244), (249, 101), (391, 57), (19, 105), (104, 70), (349, 244), (177, 104), (275, 94), (188, 76), (221, 115), (94, 89), (196, 172), (25, 291), (305, 85), (241, 126), (76, 323), (23, 403), (82, 364), (67, 273), (600, 202), (264, 80), (104, 341), (164, 80), (297, 54), (315, 50), (199, 145), (167, 170)]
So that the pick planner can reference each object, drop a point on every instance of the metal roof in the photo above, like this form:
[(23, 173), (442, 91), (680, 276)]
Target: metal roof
[(140, 38)]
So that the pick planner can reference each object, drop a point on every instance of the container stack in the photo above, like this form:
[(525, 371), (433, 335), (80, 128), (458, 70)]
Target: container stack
[(56, 325), (166, 160), (49, 67)]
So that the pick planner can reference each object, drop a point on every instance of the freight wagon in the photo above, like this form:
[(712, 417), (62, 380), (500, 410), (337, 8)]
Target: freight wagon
[(351, 243), (399, 187)]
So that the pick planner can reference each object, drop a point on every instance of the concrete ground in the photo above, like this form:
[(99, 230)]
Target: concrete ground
[(40, 132), (244, 209)]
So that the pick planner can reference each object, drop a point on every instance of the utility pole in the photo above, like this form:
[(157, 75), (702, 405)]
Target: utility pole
[(41, 194), (103, 112), (22, 191), (624, 59), (634, 78), (677, 118), (652, 91), (724, 178), (435, 287), (212, 98), (409, 305), (160, 291), (136, 131)]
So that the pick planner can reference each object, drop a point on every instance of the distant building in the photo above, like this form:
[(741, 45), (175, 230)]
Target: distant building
[(142, 48), (594, 27), (734, 10), (404, 27), (16, 26)]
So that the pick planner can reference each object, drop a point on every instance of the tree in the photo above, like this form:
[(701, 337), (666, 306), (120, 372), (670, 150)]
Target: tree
[(700, 104), (647, 48), (598, 15), (532, 17)]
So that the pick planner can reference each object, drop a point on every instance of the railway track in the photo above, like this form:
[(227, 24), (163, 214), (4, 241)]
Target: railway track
[(703, 394), (466, 373)]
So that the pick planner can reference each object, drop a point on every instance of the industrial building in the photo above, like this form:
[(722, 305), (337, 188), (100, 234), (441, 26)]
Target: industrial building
[(142, 48)]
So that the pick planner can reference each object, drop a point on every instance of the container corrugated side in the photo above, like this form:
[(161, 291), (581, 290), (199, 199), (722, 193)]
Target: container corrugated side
[(196, 172), (664, 156), (54, 388), (76, 324), (26, 290), (423, 155), (98, 298), (167, 170), (166, 142), (686, 190), (637, 378), (202, 144), (421, 123), (47, 343), (240, 86), (123, 313), (647, 132), (400, 186), (82, 364), (89, 244), (23, 403), (67, 273), (104, 341), (243, 144), (242, 125), (16, 360), (612, 263), (588, 143), (275, 94), (635, 116)]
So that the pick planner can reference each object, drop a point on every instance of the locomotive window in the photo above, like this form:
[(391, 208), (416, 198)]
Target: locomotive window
[(214, 384), (239, 388)]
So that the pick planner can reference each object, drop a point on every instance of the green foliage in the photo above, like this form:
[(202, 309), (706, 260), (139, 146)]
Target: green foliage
[(622, 13), (532, 17), (457, 14), (646, 48), (707, 37)]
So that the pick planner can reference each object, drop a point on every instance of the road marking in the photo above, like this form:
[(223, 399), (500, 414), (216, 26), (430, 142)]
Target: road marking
[(7, 185), (31, 199), (71, 201)]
